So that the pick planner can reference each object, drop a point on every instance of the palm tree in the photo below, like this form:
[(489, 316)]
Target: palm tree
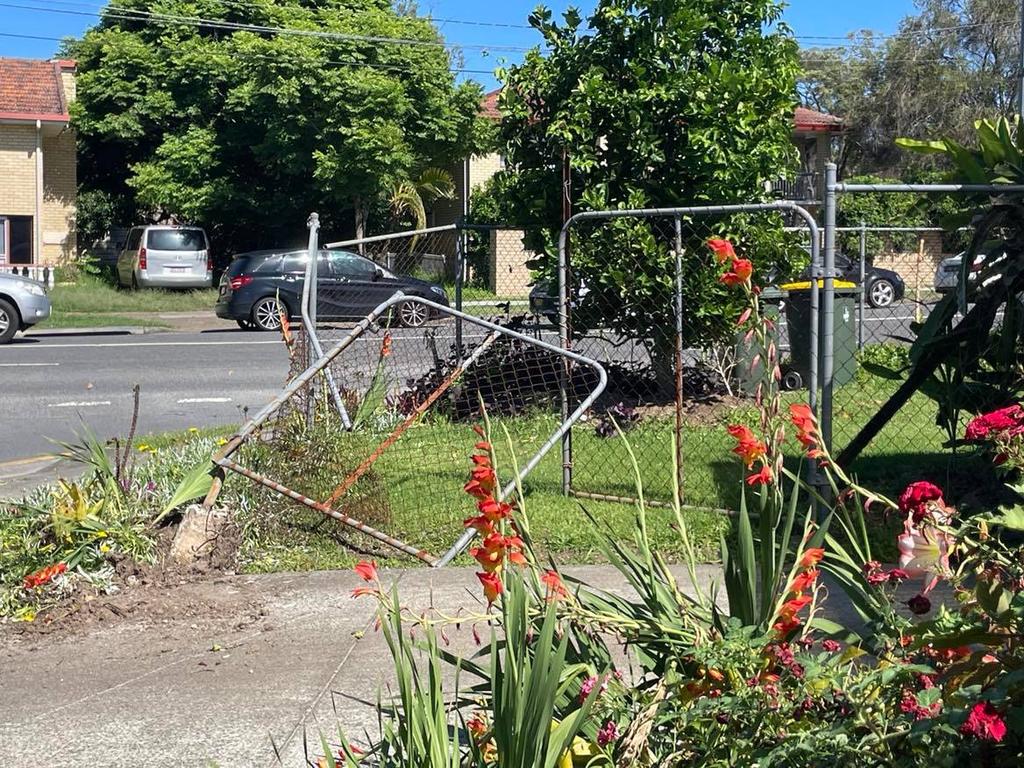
[(410, 197)]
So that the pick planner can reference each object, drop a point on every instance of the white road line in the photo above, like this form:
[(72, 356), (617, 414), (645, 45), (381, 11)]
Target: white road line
[(86, 404), (205, 400), (29, 365)]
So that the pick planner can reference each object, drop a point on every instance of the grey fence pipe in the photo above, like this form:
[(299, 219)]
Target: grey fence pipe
[(393, 236), (828, 305), (460, 276), (308, 310), (678, 221), (923, 188), (860, 303)]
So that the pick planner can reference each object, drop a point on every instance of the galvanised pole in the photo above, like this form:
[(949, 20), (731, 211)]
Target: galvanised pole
[(860, 304), (828, 306)]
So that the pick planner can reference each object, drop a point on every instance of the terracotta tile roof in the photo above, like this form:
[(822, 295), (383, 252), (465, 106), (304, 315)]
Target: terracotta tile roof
[(489, 105), (31, 89), (804, 119)]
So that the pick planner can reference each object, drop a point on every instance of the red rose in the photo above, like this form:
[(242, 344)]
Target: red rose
[(984, 723)]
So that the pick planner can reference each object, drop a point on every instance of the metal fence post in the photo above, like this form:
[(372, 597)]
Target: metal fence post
[(860, 304), (565, 343), (460, 276), (828, 305), (679, 356)]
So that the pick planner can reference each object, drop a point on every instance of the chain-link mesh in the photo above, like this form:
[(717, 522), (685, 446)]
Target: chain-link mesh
[(888, 282), (393, 468), (674, 379)]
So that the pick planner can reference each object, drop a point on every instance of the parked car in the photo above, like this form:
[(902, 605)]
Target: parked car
[(165, 257), (544, 299), (947, 274), (349, 287), (882, 287), (23, 303)]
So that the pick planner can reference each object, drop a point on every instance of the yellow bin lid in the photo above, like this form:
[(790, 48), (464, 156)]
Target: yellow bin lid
[(805, 285)]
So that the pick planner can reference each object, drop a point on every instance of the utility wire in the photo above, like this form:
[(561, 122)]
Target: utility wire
[(171, 19)]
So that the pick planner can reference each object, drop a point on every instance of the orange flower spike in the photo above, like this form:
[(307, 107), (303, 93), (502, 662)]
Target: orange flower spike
[(482, 524), (490, 560), (812, 557), (492, 585), (493, 509), (763, 477), (803, 580)]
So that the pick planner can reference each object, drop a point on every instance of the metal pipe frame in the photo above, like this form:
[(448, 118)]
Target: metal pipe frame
[(828, 306), (392, 236), (818, 271), (222, 458), (925, 188), (308, 311)]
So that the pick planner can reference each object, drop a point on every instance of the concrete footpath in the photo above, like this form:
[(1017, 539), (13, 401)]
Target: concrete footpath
[(233, 672)]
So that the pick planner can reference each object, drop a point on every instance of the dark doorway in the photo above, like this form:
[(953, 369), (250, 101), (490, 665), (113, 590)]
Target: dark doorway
[(20, 229)]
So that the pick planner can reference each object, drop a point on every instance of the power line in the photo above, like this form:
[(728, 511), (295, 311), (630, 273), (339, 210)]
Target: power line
[(285, 57), (123, 14), (873, 37)]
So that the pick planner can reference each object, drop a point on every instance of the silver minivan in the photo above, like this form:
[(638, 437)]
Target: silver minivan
[(161, 256)]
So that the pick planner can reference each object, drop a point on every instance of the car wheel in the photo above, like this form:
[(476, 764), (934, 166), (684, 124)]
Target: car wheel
[(412, 314), (245, 325), (9, 321), (266, 314), (882, 293)]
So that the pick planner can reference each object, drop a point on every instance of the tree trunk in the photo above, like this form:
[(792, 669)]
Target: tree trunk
[(361, 215)]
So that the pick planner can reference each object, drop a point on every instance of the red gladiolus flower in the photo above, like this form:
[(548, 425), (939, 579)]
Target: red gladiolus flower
[(363, 591), (385, 345), (366, 570), (44, 575), (741, 271), (493, 509), (492, 586), (984, 723), (763, 477), (555, 587), (481, 459), (476, 727), (723, 249), (807, 426), (748, 447), (482, 524), (483, 445), (811, 557), (803, 580)]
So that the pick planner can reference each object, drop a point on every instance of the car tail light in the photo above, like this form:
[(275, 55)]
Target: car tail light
[(240, 281), (142, 258), (209, 264)]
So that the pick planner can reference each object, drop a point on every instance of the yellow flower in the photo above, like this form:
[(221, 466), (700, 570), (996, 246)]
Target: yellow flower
[(25, 614), (222, 441), (143, 447), (101, 534), (193, 430), (104, 547)]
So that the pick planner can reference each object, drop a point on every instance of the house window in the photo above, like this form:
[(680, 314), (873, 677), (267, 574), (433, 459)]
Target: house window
[(16, 239)]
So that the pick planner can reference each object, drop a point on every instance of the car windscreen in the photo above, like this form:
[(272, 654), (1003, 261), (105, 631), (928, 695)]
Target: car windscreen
[(176, 240)]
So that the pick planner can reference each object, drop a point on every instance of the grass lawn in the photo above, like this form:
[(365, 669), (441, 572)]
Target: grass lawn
[(97, 320), (414, 492), (90, 294)]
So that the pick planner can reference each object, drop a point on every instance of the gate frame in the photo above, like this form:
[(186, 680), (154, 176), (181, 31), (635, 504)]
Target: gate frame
[(818, 271)]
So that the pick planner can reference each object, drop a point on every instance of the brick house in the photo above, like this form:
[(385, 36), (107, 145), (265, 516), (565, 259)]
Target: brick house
[(38, 179)]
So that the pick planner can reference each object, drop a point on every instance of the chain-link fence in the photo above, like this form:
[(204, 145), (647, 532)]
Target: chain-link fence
[(888, 283), (376, 426), (644, 296)]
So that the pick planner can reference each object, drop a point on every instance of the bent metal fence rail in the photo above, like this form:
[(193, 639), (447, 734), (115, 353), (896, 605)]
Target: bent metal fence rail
[(398, 463), (673, 369)]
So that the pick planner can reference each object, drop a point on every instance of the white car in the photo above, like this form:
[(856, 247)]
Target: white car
[(165, 257), (947, 274)]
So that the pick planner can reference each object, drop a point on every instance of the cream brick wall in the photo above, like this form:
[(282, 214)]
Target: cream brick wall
[(918, 272), (60, 183), (17, 170)]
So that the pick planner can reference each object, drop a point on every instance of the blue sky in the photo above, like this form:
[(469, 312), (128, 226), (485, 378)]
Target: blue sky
[(806, 17)]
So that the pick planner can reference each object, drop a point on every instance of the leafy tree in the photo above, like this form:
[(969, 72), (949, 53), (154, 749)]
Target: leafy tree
[(653, 103), (950, 62), (248, 131)]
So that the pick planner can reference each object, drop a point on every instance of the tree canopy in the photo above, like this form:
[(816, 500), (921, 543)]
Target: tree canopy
[(654, 103), (949, 64), (246, 116)]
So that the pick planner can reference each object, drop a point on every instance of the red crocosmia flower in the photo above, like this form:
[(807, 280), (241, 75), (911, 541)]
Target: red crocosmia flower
[(362, 591), (483, 445), (763, 477), (492, 586), (481, 459), (554, 585), (811, 557), (984, 723), (366, 570), (723, 249)]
